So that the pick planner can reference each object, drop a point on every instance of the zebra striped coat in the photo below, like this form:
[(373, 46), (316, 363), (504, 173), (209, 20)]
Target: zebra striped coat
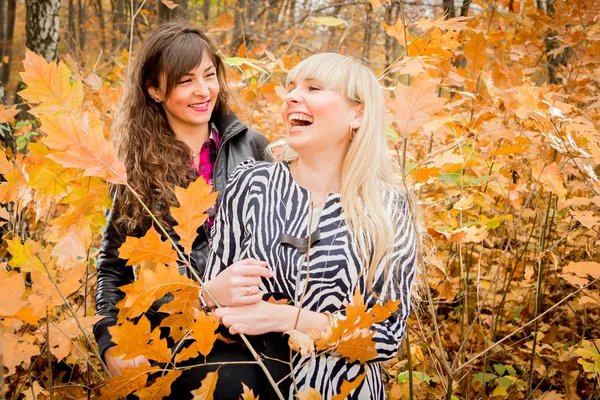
[(261, 202)]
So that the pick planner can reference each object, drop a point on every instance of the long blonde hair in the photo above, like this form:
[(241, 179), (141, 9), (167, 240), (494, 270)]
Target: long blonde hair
[(367, 169)]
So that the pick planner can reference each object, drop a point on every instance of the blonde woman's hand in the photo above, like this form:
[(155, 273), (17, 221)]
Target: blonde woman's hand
[(238, 285), (115, 363)]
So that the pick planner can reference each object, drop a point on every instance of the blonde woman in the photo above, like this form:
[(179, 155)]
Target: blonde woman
[(332, 194)]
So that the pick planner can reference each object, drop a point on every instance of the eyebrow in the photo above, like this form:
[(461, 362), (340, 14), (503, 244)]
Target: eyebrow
[(206, 70)]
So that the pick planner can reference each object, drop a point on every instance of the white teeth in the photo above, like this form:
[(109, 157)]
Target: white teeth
[(300, 117), (199, 104)]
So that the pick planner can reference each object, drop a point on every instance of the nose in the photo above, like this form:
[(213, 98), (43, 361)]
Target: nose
[(201, 89), (293, 96)]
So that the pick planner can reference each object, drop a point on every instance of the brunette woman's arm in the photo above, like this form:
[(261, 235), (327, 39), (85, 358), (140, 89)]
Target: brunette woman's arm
[(112, 273)]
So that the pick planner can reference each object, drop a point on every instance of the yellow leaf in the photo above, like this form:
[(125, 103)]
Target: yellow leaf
[(49, 84), (476, 54), (329, 21), (63, 334), (247, 394), (171, 4), (309, 394), (194, 201), (207, 388), (149, 247), (25, 256), (47, 294), (465, 202), (348, 387), (5, 165), (300, 342), (454, 24)]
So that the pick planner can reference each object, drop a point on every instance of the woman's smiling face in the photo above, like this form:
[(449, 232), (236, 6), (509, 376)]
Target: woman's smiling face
[(191, 103), (318, 117)]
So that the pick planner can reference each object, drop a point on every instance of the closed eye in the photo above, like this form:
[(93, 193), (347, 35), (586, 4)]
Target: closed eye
[(313, 87), (211, 74), (185, 81)]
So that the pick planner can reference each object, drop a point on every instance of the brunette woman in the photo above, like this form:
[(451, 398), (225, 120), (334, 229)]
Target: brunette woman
[(174, 126), (328, 220)]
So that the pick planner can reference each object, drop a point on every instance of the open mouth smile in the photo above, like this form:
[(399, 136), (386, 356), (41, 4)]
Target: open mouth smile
[(300, 121)]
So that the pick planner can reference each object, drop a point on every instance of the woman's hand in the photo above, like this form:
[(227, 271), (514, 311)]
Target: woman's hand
[(258, 318), (238, 285), (116, 363)]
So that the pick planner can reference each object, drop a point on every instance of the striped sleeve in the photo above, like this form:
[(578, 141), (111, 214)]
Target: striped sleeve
[(228, 231)]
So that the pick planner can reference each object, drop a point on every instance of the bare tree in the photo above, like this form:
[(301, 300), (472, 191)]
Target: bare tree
[(7, 30), (42, 27), (449, 10)]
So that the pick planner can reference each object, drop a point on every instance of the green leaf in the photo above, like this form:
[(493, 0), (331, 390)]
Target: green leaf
[(504, 381), (234, 61), (509, 368), (424, 378), (484, 378), (329, 21), (500, 369), (392, 133)]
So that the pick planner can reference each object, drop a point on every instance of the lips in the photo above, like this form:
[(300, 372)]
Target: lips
[(200, 107)]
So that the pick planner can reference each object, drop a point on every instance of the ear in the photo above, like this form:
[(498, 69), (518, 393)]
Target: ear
[(357, 116), (155, 93)]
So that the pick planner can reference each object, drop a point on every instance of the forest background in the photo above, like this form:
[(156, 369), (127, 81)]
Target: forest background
[(493, 116)]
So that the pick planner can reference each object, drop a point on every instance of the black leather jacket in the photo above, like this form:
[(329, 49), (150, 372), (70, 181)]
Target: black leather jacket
[(237, 144)]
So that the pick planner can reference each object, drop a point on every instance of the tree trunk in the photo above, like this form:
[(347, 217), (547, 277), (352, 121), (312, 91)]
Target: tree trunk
[(206, 12), (100, 13), (182, 8), (391, 44), (72, 34), (164, 12), (464, 9), (238, 33), (119, 23), (8, 29), (81, 5), (42, 27), (368, 31), (449, 8)]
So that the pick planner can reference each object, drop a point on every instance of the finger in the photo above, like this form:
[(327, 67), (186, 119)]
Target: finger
[(224, 312), (253, 261), (229, 320), (252, 299), (238, 328), (255, 270), (141, 360)]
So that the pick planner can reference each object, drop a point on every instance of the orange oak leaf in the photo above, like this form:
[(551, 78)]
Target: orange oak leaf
[(309, 394), (206, 390), (149, 247), (476, 54), (353, 337), (84, 145), (160, 388), (300, 342), (586, 218), (17, 350), (136, 339), (5, 165), (550, 177), (583, 269), (50, 84), (7, 114), (47, 295), (248, 394), (415, 104), (348, 387), (12, 288), (131, 380), (15, 188), (62, 335), (204, 331), (184, 304), (194, 201), (151, 286)]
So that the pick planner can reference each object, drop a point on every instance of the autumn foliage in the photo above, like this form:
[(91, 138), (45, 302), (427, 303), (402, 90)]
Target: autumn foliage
[(495, 121)]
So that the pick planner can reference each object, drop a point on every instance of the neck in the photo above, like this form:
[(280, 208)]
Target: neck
[(194, 138), (319, 175)]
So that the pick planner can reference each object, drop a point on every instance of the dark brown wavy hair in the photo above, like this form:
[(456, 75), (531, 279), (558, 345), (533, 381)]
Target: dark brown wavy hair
[(155, 160)]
